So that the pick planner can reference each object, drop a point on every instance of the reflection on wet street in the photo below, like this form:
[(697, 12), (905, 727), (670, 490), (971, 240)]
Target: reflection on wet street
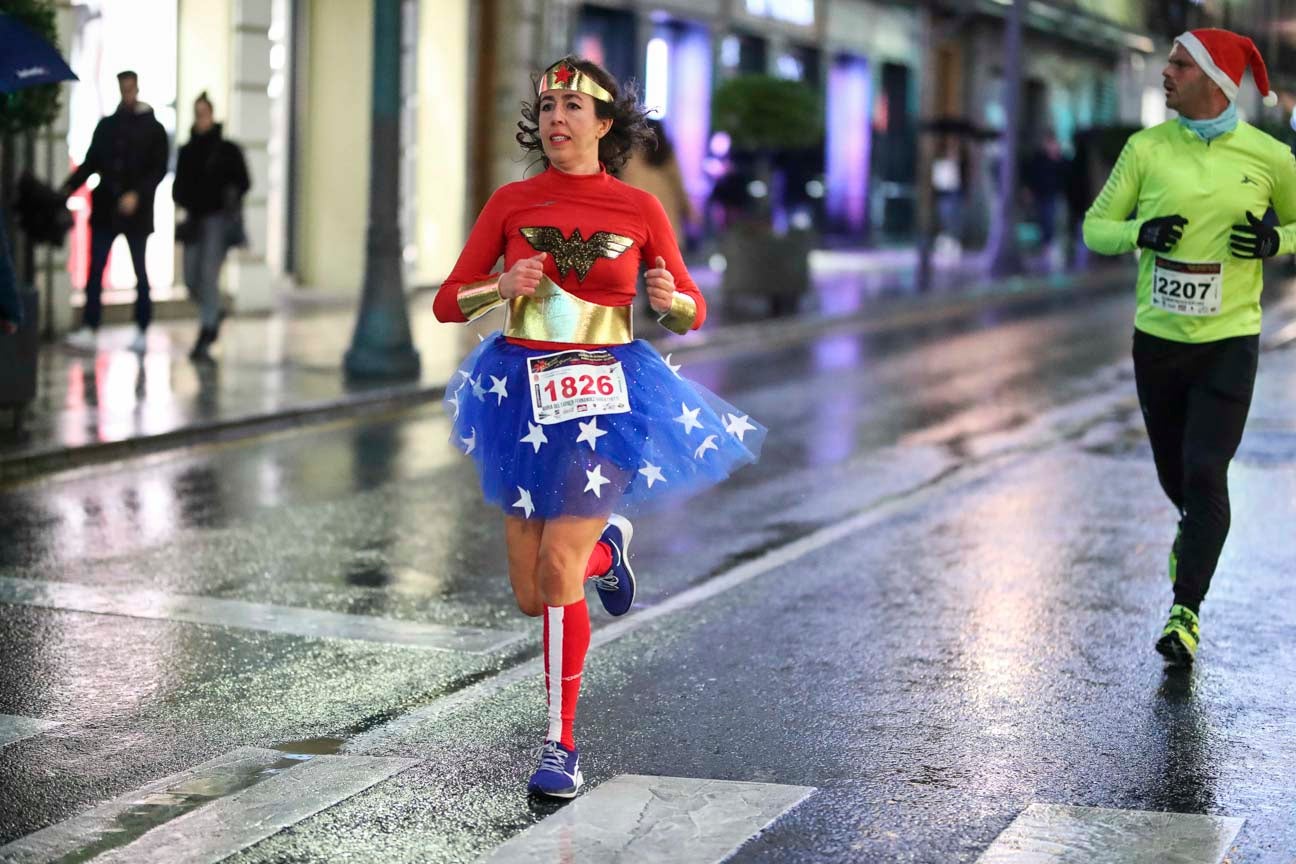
[(920, 629)]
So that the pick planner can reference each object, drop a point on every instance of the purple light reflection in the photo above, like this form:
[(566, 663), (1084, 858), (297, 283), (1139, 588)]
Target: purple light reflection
[(849, 141), (689, 122), (834, 415)]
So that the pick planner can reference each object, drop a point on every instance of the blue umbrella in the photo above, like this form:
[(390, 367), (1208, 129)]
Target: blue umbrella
[(26, 59)]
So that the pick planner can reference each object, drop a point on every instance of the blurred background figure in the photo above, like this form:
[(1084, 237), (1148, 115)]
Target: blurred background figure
[(129, 153), (1079, 195), (949, 177), (1045, 179), (210, 182), (655, 170), (11, 312)]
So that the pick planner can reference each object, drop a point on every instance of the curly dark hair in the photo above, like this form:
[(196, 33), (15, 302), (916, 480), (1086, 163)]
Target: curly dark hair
[(663, 153), (629, 132)]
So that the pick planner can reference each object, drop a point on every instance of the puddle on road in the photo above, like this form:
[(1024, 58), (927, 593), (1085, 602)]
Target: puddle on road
[(159, 808), (309, 747)]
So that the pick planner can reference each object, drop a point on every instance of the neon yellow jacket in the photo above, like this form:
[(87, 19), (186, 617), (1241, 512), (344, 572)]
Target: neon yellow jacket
[(1168, 170)]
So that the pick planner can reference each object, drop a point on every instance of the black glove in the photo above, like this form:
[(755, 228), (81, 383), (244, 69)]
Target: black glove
[(1161, 233), (1254, 240)]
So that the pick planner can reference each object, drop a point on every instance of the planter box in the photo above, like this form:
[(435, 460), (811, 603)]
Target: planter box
[(774, 270), (18, 360)]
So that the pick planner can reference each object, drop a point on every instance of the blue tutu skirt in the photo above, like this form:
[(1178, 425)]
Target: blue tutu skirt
[(676, 439)]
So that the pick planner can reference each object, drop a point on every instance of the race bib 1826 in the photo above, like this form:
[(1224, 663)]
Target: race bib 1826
[(1186, 288), (576, 384)]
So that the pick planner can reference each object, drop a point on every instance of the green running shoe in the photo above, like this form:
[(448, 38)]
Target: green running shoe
[(1179, 639), (1174, 557)]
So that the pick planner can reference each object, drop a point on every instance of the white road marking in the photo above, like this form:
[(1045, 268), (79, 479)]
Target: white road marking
[(207, 813), (644, 820), (396, 728), (216, 611), (1059, 834), (1046, 430), (14, 728)]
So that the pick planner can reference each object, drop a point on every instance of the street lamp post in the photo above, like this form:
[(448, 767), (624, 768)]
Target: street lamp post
[(381, 346)]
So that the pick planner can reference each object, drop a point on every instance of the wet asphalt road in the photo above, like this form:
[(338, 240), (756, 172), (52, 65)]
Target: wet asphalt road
[(978, 639)]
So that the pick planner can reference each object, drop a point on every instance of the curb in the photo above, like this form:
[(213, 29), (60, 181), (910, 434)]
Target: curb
[(38, 464)]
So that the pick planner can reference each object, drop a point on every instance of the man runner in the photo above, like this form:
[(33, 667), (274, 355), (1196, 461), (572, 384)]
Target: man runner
[(1200, 186)]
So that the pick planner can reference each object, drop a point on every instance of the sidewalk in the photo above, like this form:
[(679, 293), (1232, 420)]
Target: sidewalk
[(285, 368)]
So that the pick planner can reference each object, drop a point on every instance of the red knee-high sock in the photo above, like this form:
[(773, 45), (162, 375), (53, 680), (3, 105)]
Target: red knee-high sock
[(566, 638), (600, 560)]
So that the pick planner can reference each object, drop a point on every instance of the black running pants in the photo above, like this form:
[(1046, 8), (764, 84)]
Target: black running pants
[(1195, 399)]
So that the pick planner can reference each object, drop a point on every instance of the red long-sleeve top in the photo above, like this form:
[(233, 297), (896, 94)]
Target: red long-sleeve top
[(559, 205)]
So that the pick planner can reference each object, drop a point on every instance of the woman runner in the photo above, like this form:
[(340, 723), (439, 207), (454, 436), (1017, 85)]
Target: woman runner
[(566, 415)]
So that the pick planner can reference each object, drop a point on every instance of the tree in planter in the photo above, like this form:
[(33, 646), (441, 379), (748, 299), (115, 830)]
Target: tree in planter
[(27, 110), (765, 116), (21, 113), (24, 111)]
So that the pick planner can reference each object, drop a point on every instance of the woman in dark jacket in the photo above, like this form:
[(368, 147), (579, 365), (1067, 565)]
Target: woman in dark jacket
[(11, 305), (210, 182), (11, 311)]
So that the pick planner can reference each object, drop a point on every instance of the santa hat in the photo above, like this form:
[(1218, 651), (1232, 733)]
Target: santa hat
[(1224, 56)]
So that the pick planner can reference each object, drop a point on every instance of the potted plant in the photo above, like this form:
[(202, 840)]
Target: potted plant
[(763, 116), (22, 112)]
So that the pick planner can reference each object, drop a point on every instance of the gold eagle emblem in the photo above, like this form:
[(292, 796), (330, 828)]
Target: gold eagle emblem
[(575, 252)]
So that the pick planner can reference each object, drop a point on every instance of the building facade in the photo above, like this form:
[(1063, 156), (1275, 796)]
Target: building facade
[(292, 81)]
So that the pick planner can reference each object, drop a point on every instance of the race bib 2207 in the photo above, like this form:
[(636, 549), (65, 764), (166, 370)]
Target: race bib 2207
[(1188, 288)]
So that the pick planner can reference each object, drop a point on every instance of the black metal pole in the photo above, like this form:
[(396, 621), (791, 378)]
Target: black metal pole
[(1004, 260), (381, 346)]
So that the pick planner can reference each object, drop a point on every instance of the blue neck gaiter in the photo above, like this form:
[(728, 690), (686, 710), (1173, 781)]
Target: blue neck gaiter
[(1209, 130)]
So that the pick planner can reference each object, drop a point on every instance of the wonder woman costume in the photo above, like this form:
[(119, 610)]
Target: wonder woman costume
[(564, 412)]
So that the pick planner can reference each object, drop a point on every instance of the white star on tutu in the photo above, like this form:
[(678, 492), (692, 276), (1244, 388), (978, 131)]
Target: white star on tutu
[(466, 375), (535, 437), (596, 481), (478, 390), (454, 400), (708, 443), (590, 433), (524, 502), (500, 388), (470, 442), (674, 367), (688, 418), (652, 472), (738, 426)]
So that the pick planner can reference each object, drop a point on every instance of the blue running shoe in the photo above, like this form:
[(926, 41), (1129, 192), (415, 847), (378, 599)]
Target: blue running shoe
[(616, 587), (559, 773)]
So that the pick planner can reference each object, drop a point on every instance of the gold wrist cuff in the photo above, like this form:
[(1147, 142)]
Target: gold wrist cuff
[(478, 298), (681, 315)]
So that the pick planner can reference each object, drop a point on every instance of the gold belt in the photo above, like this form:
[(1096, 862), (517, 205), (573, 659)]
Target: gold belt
[(554, 315)]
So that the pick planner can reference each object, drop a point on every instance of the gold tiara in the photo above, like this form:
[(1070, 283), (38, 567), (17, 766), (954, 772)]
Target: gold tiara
[(564, 76)]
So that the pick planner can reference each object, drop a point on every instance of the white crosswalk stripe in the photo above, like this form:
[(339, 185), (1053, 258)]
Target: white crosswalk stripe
[(207, 813), (1059, 834), (14, 728), (634, 818), (218, 611)]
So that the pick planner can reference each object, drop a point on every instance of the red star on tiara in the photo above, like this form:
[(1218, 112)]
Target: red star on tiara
[(564, 74)]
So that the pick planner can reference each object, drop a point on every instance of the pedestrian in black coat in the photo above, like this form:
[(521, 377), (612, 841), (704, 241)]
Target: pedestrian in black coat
[(129, 152), (11, 311), (211, 180)]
